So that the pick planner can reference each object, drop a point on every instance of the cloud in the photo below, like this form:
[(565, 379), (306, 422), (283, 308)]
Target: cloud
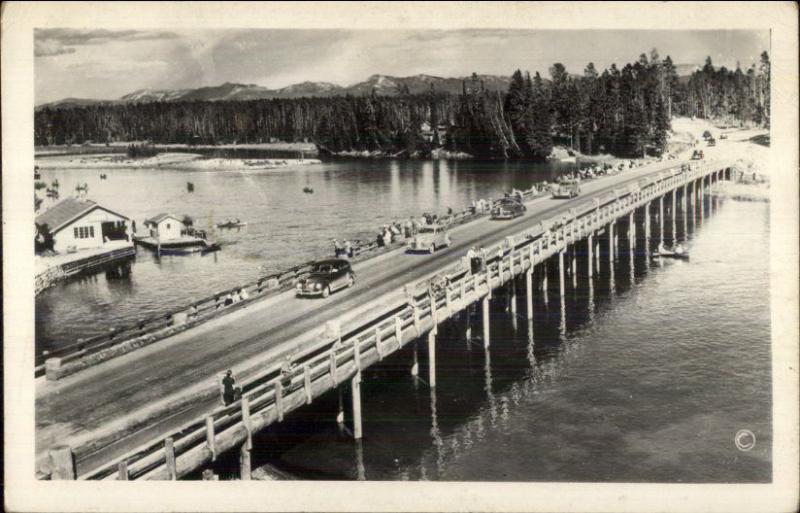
[(58, 41)]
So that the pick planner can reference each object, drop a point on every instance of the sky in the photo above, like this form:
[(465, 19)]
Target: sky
[(107, 64)]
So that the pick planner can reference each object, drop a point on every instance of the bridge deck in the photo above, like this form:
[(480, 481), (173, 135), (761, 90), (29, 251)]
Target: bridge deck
[(107, 410)]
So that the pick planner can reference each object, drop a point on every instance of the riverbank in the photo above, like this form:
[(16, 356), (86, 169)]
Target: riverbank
[(121, 147), (178, 161)]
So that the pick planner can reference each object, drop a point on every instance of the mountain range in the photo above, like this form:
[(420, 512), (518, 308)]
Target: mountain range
[(384, 85)]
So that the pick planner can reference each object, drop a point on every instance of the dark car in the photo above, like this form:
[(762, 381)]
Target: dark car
[(327, 276), (507, 208)]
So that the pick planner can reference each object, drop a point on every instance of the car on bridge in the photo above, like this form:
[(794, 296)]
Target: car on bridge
[(429, 238), (697, 155), (508, 208), (567, 189), (326, 276)]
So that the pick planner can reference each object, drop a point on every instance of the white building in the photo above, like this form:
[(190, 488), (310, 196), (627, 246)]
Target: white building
[(165, 227), (76, 224)]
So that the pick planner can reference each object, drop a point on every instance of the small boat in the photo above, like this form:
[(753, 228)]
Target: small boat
[(55, 183), (213, 246), (671, 254), (308, 190), (103, 176), (84, 187), (231, 224), (189, 186)]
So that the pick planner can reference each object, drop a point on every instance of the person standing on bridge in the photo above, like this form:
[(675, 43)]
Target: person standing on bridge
[(228, 390)]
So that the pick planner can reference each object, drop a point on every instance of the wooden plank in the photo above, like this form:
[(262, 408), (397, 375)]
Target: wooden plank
[(378, 347), (332, 369), (210, 441), (62, 463), (398, 331)]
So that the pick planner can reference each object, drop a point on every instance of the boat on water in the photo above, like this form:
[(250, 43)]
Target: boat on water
[(308, 190), (231, 224), (184, 245), (666, 253)]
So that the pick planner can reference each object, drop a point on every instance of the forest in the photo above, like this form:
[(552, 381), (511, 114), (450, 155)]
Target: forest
[(624, 112)]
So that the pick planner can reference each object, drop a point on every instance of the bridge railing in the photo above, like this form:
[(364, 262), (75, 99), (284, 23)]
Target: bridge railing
[(84, 352), (280, 388)]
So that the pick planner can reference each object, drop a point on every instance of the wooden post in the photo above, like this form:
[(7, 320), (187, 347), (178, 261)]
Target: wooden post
[(544, 281), (590, 246), (307, 381), (122, 470), (611, 242), (340, 413), (332, 365), (632, 229), (244, 463), (210, 442), (486, 321), (279, 400), (561, 272), (246, 421), (357, 352), (674, 201), (513, 286), (169, 454), (415, 365), (378, 347), (62, 463), (529, 292), (356, 392), (661, 219), (647, 221), (432, 358)]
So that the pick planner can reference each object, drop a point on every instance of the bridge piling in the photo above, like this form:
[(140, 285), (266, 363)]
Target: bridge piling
[(611, 243), (544, 282), (673, 214), (485, 306), (529, 292), (432, 358), (245, 468), (561, 273), (597, 254), (590, 247), (340, 411), (647, 224), (415, 365), (356, 392), (661, 220), (62, 463)]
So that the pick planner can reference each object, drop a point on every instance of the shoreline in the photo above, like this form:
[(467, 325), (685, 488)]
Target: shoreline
[(174, 161)]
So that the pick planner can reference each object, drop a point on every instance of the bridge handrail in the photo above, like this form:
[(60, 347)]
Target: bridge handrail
[(264, 392)]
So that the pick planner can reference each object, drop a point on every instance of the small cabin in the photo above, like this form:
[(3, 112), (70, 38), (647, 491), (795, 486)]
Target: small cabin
[(77, 223), (165, 227)]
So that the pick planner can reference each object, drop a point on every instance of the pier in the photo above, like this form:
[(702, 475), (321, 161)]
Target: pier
[(288, 352)]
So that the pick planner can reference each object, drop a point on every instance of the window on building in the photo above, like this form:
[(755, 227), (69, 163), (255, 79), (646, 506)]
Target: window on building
[(167, 226), (83, 232)]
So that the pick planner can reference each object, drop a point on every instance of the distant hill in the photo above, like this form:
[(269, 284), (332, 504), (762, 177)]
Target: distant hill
[(384, 85)]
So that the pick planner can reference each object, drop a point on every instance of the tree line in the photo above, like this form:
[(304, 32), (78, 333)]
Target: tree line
[(624, 111)]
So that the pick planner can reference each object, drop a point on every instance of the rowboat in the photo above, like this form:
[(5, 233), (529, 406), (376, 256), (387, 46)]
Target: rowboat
[(670, 254), (231, 224)]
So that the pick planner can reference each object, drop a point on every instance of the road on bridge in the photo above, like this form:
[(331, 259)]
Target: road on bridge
[(106, 400)]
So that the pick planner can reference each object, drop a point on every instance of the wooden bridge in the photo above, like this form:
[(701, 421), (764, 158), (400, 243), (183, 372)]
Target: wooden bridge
[(572, 235)]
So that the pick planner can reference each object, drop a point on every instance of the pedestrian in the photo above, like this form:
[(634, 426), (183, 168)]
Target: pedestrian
[(407, 227), (348, 249), (337, 248), (379, 239), (387, 236), (449, 211), (228, 299), (243, 294), (228, 390)]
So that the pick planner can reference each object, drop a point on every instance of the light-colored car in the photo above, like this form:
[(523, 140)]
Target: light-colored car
[(567, 189), (429, 238)]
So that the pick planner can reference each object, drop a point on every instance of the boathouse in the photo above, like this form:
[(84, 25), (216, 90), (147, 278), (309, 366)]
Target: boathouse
[(75, 224), (165, 227)]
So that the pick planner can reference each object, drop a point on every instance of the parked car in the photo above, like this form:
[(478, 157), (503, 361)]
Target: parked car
[(327, 276), (508, 208), (723, 136), (567, 189), (429, 238), (712, 142), (697, 155)]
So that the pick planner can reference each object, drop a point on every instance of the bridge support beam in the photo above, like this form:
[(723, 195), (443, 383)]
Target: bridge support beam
[(529, 292), (512, 285), (661, 219), (597, 254), (590, 247), (673, 213), (355, 388), (485, 305), (611, 242), (647, 222), (244, 463), (573, 264), (561, 273), (432, 358), (340, 413), (632, 230), (544, 281), (415, 365)]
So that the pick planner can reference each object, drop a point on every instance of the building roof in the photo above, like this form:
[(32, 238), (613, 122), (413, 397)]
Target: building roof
[(160, 217), (67, 211)]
